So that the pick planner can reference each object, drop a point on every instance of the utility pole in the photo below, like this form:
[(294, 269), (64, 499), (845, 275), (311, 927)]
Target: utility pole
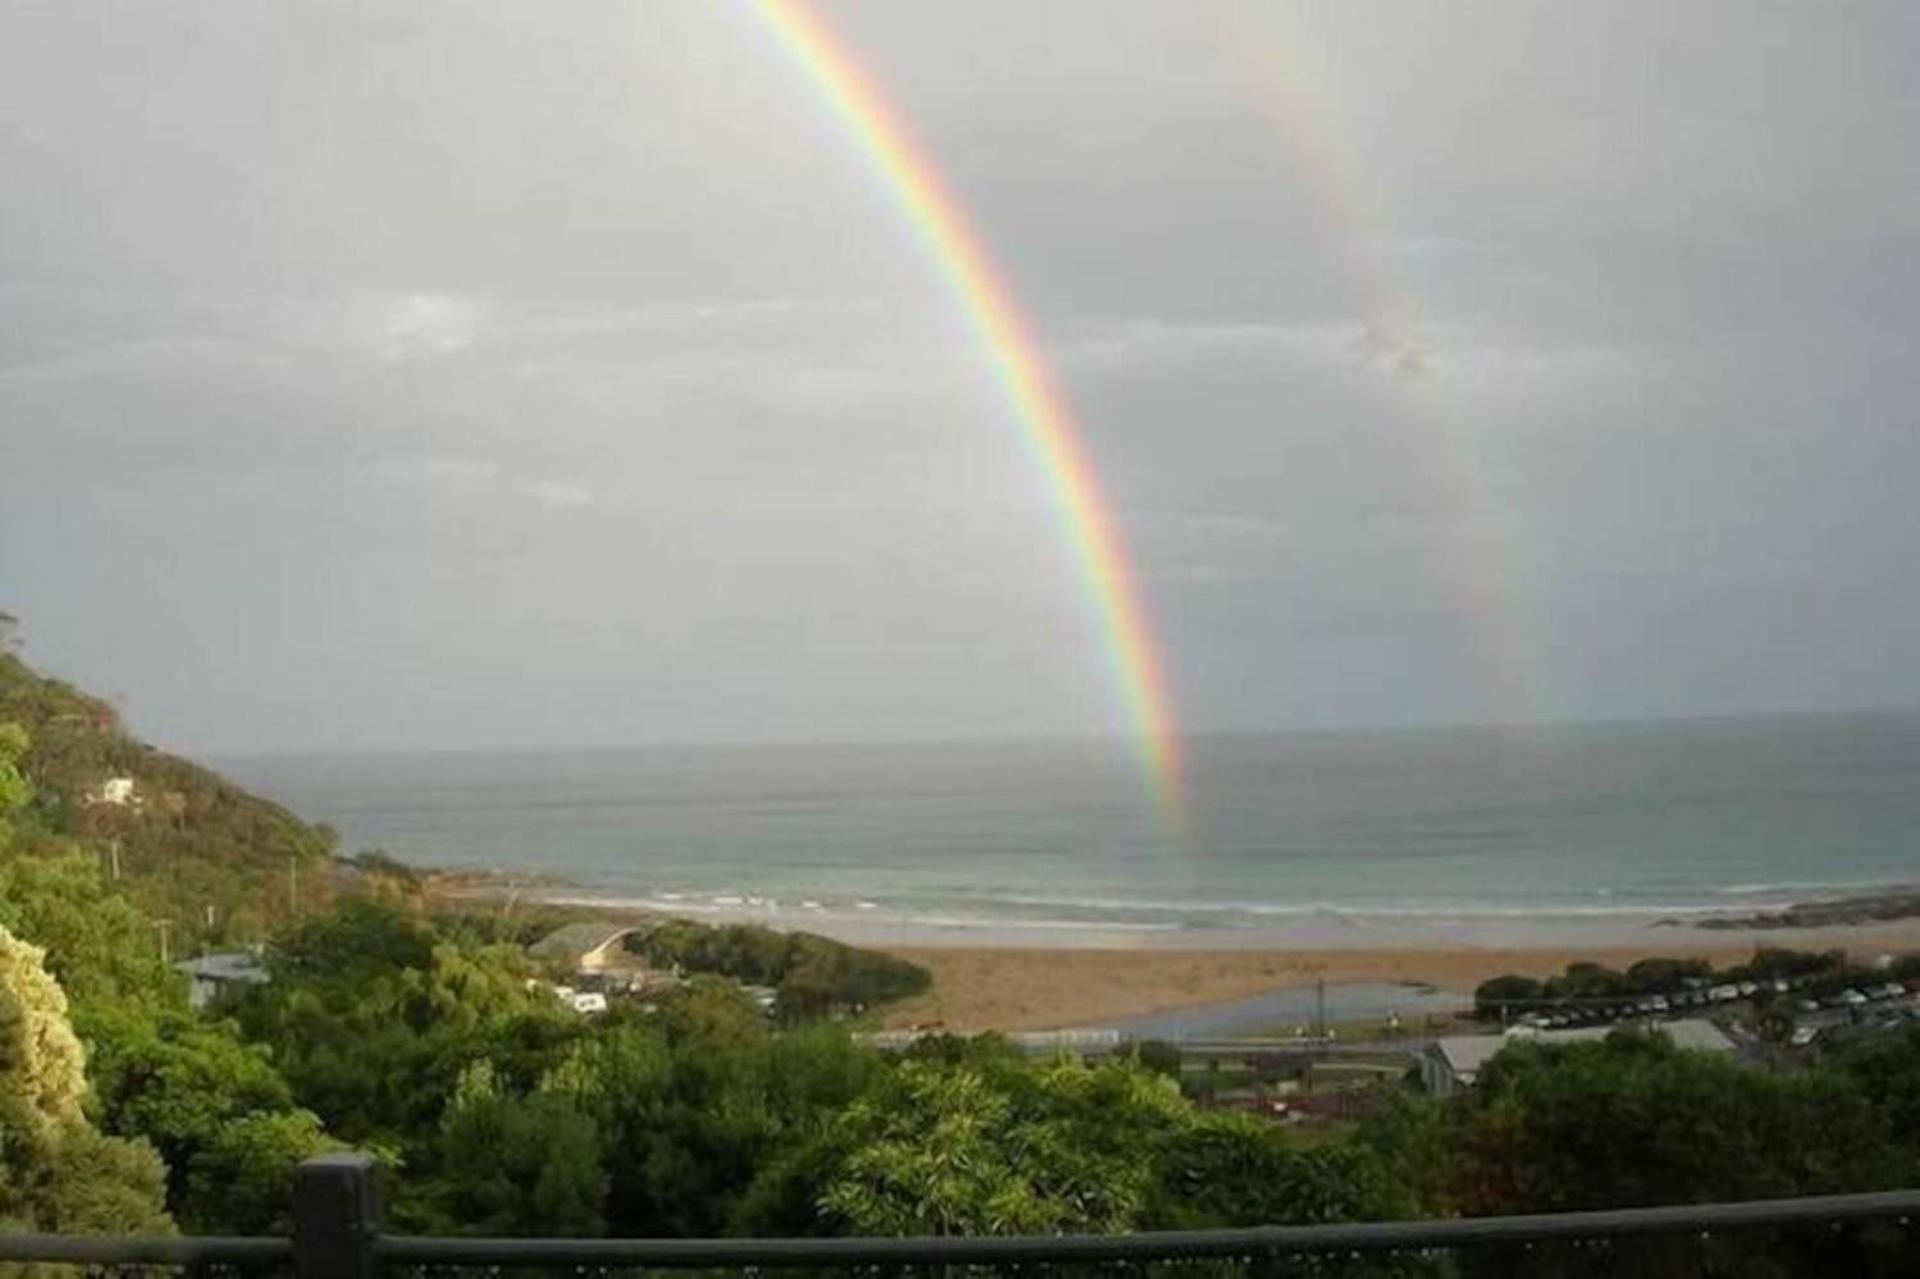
[(1320, 1006), (113, 855), (163, 925)]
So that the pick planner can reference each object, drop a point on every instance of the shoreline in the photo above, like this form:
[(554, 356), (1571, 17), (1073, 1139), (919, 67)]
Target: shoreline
[(1815, 924), (1004, 979)]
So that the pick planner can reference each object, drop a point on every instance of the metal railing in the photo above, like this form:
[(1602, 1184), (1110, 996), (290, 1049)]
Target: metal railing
[(338, 1236)]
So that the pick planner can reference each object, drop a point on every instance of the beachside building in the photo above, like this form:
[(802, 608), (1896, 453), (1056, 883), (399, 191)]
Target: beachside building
[(587, 947), (1452, 1064), (213, 975), (596, 960)]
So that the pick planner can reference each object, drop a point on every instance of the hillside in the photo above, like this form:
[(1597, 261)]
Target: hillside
[(190, 847)]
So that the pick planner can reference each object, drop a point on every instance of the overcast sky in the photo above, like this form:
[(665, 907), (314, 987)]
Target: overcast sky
[(415, 375)]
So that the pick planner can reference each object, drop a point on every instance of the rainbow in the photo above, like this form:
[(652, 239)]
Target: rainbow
[(1052, 439), (1477, 566)]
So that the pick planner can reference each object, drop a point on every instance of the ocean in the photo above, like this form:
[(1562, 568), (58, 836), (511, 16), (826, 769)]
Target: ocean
[(1473, 835)]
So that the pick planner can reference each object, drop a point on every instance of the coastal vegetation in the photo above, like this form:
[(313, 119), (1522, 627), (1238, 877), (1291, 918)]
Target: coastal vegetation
[(498, 1110), (436, 1043), (1771, 971), (206, 861), (809, 973)]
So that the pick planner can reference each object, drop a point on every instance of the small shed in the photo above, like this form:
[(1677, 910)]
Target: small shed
[(213, 975)]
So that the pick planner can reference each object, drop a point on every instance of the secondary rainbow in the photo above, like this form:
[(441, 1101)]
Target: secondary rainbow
[(1478, 565), (1052, 439)]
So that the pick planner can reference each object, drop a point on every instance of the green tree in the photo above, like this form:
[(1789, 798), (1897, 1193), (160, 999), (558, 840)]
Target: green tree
[(56, 1172), (1224, 1170), (355, 940), (1418, 1139), (15, 790), (98, 944), (240, 1179), (1887, 1069), (1633, 1120), (1585, 981), (206, 1101), (1664, 976), (518, 1164), (956, 1150), (370, 1018), (1497, 995), (813, 975)]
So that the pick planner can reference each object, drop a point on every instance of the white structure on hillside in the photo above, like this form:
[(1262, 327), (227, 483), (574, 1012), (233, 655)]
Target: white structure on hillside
[(118, 791), (1453, 1064)]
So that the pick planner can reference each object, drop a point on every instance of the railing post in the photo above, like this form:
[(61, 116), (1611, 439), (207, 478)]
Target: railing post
[(336, 1217)]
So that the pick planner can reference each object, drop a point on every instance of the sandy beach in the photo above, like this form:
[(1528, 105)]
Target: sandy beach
[(979, 988), (1008, 979)]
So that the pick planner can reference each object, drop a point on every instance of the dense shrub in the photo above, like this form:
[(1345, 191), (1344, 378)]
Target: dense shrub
[(1816, 973), (812, 974)]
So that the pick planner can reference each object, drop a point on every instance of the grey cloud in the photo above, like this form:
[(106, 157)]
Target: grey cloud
[(518, 375)]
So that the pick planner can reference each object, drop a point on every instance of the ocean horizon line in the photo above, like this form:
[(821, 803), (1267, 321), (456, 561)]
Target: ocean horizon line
[(1113, 739)]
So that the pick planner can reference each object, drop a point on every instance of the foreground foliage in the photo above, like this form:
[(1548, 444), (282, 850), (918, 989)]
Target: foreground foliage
[(498, 1110)]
